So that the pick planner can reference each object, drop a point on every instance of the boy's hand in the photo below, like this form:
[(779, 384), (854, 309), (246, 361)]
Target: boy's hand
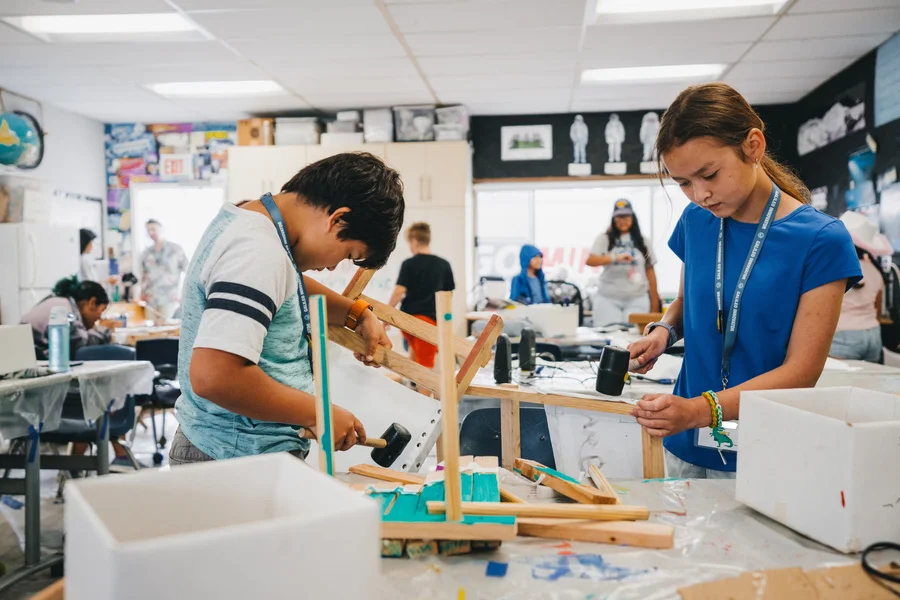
[(373, 332), (348, 431)]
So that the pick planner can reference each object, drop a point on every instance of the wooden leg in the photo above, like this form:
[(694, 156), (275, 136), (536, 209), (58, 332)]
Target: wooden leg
[(440, 448), (510, 435), (654, 455), (449, 408)]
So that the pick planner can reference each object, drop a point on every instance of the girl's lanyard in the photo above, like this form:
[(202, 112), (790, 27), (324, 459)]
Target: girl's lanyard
[(729, 329), (272, 208)]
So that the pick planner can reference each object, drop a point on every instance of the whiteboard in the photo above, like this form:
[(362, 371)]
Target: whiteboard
[(73, 210)]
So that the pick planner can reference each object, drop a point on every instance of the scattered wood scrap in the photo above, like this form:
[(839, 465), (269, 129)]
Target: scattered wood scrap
[(562, 483)]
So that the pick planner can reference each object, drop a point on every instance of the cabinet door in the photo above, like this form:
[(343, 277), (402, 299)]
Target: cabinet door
[(315, 153), (408, 159), (255, 170), (281, 164), (447, 173)]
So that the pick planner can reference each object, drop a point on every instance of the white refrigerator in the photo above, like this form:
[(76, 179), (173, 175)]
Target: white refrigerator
[(33, 257)]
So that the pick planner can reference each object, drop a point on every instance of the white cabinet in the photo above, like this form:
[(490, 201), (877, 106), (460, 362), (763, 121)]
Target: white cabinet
[(316, 153), (255, 170), (408, 159), (434, 173)]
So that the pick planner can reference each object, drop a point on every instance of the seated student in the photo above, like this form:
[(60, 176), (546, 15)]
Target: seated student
[(420, 278), (86, 300), (244, 363), (530, 286)]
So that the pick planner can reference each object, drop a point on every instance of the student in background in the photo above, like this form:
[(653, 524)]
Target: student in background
[(745, 207), (421, 276), (628, 281), (530, 286), (87, 271), (858, 335), (162, 265), (86, 300)]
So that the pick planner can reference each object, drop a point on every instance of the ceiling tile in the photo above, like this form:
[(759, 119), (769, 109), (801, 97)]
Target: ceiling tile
[(598, 105), (347, 68), (11, 8), (334, 47), (56, 76), (446, 84), (474, 15), (552, 39), (662, 35), (135, 55), (343, 85), (835, 24), (801, 85), (832, 47), (11, 35), (75, 93), (818, 6), (641, 54), (117, 112), (502, 63), (527, 108), (358, 100), (262, 104), (216, 5), (789, 69), (509, 96), (235, 70), (664, 91), (293, 23)]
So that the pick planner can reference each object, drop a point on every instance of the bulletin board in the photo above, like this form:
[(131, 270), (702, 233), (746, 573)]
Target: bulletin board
[(74, 210)]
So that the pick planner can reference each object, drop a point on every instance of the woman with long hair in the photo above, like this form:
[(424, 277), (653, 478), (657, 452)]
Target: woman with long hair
[(628, 281), (763, 277), (86, 300)]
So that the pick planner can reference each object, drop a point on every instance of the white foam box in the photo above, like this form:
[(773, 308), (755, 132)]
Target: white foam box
[(16, 348), (823, 462), (260, 527)]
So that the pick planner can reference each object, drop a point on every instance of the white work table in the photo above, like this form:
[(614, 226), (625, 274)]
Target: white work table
[(715, 537)]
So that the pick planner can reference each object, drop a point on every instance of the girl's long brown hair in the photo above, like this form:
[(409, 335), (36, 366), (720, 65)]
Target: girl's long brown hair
[(718, 111)]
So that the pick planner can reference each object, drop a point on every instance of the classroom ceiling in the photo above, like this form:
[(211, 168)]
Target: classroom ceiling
[(495, 56)]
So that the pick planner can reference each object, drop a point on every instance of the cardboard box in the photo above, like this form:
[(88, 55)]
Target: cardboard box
[(16, 348), (823, 462), (260, 527), (256, 132)]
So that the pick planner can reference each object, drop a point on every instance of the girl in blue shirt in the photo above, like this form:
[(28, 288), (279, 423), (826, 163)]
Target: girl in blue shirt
[(750, 228)]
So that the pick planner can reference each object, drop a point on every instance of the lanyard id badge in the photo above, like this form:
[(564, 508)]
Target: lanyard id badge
[(302, 296)]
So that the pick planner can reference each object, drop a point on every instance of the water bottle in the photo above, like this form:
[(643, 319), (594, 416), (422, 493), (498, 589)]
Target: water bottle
[(58, 332)]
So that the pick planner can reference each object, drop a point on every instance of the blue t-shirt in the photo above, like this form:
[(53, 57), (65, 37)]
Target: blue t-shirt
[(803, 251), (537, 289)]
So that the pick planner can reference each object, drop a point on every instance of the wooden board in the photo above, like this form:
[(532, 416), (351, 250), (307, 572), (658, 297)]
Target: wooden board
[(443, 302), (532, 395), (480, 355), (510, 434), (603, 485), (630, 533), (324, 413), (594, 512), (562, 483), (448, 531), (384, 474), (653, 455), (358, 283)]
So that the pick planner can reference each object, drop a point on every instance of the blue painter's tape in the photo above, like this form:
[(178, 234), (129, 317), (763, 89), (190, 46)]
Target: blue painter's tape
[(327, 440), (496, 569)]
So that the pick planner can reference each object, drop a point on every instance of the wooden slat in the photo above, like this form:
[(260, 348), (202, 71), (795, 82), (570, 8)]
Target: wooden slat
[(387, 358), (480, 354), (594, 512), (324, 413), (575, 491), (630, 533), (360, 280), (391, 475), (447, 531), (510, 434), (602, 484), (449, 405), (530, 395), (416, 327), (653, 455)]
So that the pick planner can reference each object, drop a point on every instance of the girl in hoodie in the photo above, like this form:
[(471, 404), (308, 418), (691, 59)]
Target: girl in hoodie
[(530, 286)]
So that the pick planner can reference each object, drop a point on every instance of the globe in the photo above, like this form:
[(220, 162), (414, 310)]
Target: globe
[(21, 142)]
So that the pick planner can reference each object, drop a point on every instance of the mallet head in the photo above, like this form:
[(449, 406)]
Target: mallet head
[(396, 438)]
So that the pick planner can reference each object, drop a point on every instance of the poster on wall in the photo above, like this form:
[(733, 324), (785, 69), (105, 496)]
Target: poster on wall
[(887, 81), (846, 115), (890, 214), (862, 185), (526, 142)]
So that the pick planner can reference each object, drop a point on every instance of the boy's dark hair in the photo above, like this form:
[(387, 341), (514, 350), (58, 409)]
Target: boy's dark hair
[(70, 287), (153, 222), (420, 231), (371, 190)]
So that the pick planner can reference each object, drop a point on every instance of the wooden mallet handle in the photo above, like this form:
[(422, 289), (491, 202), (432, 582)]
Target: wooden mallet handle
[(374, 443)]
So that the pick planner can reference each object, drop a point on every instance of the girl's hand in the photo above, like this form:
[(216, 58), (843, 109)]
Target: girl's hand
[(649, 348), (624, 258), (664, 414)]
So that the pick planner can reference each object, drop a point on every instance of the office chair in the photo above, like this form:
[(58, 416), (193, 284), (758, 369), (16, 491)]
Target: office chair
[(479, 434), (163, 353), (566, 293)]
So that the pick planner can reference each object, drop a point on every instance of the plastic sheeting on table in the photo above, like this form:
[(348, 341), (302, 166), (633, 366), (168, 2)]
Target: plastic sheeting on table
[(28, 403), (715, 537)]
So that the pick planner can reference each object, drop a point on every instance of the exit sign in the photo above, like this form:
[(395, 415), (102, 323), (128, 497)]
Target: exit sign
[(176, 167)]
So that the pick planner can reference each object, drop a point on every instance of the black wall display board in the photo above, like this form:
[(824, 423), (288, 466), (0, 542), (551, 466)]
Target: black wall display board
[(487, 163)]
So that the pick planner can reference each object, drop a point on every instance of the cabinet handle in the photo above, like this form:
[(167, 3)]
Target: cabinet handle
[(430, 197), (421, 188)]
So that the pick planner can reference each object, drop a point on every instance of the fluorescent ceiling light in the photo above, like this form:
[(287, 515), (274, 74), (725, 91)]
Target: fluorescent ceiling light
[(81, 28), (217, 88), (652, 74), (624, 11)]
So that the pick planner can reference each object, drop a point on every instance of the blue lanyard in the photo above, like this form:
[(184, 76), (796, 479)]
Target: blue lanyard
[(730, 328), (270, 205)]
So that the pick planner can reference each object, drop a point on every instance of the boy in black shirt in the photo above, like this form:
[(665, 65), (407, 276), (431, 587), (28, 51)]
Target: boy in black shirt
[(420, 278)]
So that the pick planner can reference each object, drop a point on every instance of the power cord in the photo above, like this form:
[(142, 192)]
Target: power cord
[(873, 572)]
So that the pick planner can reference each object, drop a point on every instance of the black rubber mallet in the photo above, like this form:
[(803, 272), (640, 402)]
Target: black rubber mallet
[(390, 445)]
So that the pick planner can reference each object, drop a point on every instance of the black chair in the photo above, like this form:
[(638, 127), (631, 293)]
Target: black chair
[(566, 293), (479, 434), (554, 350), (163, 353)]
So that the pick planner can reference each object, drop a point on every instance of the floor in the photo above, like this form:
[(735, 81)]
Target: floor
[(12, 515)]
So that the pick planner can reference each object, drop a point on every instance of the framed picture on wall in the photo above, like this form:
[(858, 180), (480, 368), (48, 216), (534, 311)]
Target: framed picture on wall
[(526, 142)]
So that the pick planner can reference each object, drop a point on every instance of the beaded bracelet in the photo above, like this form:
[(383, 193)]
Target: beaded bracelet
[(714, 409)]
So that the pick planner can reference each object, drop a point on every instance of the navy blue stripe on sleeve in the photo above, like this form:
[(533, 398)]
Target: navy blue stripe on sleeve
[(227, 287), (239, 308)]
